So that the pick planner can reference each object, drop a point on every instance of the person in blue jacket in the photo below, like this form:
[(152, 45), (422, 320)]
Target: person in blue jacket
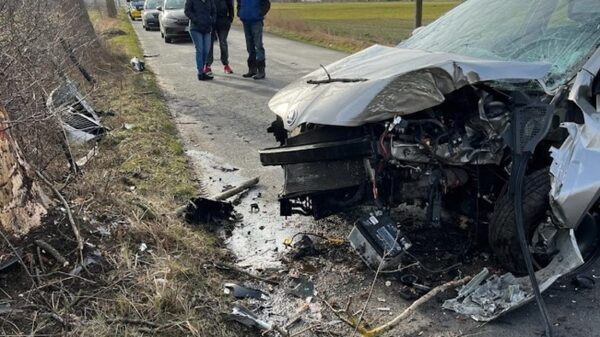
[(252, 14), (203, 16)]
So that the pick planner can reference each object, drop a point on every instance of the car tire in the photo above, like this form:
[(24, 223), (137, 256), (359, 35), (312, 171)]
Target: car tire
[(503, 238), (502, 234), (168, 39)]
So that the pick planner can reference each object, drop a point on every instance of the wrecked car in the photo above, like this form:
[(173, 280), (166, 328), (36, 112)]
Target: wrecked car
[(444, 120)]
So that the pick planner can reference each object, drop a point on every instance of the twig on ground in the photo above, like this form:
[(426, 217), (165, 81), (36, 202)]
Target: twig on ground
[(14, 250), (408, 311), (337, 314), (223, 265), (74, 226), (52, 251)]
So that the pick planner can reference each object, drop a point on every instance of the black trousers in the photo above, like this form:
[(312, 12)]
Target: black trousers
[(220, 33)]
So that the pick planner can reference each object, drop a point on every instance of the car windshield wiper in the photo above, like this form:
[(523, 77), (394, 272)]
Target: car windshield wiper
[(332, 80)]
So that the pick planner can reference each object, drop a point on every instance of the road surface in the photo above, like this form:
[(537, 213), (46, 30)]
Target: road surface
[(223, 125)]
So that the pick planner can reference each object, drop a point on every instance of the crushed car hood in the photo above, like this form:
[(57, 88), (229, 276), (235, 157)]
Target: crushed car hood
[(380, 82)]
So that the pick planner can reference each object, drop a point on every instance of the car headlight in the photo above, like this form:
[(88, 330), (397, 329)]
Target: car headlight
[(170, 19)]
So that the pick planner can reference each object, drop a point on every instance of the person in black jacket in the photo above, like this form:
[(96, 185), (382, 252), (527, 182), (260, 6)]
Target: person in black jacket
[(252, 13), (202, 15), (220, 32)]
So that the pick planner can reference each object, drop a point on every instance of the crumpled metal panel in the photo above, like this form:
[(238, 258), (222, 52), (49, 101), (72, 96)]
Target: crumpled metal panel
[(485, 299), (574, 172), (398, 82)]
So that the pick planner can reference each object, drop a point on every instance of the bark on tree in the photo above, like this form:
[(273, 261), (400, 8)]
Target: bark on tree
[(22, 201), (111, 8)]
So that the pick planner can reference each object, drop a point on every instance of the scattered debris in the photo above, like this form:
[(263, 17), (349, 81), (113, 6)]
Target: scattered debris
[(246, 317), (137, 64), (254, 208), (240, 292), (143, 247), (79, 120), (52, 251), (9, 260), (92, 259), (304, 247), (486, 298), (203, 210), (412, 280), (128, 126), (304, 289), (377, 240), (583, 282)]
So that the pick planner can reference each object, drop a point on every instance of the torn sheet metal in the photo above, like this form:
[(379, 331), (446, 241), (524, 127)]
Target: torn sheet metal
[(575, 184), (399, 81), (240, 292), (244, 316), (486, 298), (79, 120)]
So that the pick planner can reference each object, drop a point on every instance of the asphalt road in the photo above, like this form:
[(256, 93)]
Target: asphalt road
[(223, 125)]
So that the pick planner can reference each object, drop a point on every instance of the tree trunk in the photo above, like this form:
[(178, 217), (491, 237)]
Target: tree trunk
[(111, 9), (22, 202)]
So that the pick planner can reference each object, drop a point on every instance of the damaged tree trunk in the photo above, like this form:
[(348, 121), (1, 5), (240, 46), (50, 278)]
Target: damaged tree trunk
[(22, 201)]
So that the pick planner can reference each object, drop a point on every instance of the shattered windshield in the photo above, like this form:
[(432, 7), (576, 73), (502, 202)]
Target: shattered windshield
[(559, 32)]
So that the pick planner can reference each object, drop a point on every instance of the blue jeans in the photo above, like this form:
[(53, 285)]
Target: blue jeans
[(202, 42), (254, 41)]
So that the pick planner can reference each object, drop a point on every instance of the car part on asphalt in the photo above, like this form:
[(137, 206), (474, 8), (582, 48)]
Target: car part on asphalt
[(241, 292), (583, 282), (304, 289), (377, 241)]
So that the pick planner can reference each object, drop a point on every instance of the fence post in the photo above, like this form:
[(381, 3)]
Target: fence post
[(419, 14)]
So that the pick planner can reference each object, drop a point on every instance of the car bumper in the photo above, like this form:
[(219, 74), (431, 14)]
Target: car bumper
[(152, 22), (135, 14), (176, 30)]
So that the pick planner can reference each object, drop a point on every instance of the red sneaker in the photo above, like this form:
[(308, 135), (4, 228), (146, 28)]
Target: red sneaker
[(227, 69), (207, 70)]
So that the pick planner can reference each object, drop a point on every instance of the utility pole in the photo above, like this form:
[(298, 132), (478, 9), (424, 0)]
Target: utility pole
[(419, 14)]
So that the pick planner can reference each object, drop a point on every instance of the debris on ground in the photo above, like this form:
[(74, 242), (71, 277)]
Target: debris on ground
[(583, 282), (79, 119), (304, 289), (137, 64), (486, 297), (240, 292), (205, 211)]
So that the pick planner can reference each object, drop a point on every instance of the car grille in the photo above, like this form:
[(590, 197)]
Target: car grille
[(155, 15), (183, 22)]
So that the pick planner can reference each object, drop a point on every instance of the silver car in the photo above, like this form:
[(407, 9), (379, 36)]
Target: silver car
[(150, 14), (172, 20), (490, 111)]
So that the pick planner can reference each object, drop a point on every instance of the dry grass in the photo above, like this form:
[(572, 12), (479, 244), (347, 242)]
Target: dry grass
[(131, 188)]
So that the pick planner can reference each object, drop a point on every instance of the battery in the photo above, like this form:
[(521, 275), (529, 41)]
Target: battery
[(378, 241)]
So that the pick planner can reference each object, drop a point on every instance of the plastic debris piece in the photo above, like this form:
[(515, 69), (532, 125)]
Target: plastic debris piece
[(246, 317), (304, 289), (583, 282), (240, 292)]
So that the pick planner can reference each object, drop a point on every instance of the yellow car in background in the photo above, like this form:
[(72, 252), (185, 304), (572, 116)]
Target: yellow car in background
[(135, 8)]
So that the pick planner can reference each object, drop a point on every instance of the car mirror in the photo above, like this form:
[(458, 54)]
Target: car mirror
[(159, 8)]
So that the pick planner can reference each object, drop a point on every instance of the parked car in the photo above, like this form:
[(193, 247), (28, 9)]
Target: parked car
[(172, 19), (453, 116), (134, 9), (150, 14)]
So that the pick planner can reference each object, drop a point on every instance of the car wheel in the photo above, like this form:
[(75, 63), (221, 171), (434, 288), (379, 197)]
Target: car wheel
[(503, 238), (168, 39)]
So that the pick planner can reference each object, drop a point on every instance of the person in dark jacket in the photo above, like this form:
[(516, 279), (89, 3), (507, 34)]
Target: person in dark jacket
[(220, 32), (203, 16), (252, 14)]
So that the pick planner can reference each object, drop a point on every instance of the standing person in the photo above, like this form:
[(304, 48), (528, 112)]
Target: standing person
[(220, 32), (252, 13), (202, 15)]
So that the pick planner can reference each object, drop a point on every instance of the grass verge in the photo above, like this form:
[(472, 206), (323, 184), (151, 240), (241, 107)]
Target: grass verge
[(350, 26), (157, 277)]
